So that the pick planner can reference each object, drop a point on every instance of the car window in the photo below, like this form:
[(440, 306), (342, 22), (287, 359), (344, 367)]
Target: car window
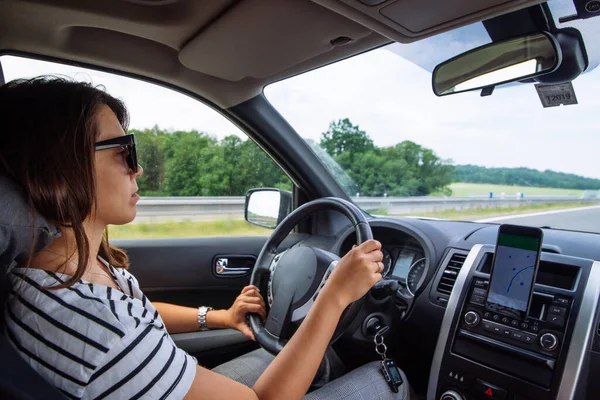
[(399, 150), (197, 164)]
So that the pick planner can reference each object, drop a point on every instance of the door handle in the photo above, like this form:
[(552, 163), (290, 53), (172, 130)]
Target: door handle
[(222, 269)]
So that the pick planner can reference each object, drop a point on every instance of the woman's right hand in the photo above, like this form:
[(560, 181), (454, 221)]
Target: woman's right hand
[(356, 272)]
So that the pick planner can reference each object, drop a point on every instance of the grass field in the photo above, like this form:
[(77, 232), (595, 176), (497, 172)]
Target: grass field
[(461, 189), (234, 227), (148, 230), (477, 213)]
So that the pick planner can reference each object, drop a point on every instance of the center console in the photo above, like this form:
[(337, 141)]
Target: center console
[(485, 354)]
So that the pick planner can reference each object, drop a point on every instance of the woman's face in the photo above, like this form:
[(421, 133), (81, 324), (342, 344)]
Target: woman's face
[(116, 187)]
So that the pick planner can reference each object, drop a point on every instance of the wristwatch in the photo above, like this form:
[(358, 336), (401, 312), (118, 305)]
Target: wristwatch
[(202, 317)]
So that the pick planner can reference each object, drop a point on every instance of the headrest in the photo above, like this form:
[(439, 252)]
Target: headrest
[(18, 225)]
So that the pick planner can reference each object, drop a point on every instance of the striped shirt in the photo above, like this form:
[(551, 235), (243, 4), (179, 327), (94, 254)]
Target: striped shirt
[(94, 342)]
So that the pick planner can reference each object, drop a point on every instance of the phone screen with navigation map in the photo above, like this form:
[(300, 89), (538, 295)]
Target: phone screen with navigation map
[(514, 269)]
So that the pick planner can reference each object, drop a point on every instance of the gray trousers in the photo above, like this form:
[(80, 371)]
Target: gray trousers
[(363, 383)]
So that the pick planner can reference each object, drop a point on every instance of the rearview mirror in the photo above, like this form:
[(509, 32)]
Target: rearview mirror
[(267, 207), (497, 63)]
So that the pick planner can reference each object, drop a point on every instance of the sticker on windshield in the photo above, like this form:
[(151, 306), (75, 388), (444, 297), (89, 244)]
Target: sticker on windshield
[(555, 95)]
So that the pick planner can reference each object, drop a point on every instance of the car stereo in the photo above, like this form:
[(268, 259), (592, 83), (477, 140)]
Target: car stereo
[(526, 347), (541, 332)]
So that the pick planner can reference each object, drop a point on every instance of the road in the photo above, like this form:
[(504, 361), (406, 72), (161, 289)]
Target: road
[(578, 219)]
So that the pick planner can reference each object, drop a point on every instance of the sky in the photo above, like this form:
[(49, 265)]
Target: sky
[(387, 92)]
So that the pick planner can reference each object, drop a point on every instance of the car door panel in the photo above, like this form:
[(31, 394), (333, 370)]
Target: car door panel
[(214, 347), (183, 272)]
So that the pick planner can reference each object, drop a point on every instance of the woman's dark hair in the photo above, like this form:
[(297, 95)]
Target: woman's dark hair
[(48, 131)]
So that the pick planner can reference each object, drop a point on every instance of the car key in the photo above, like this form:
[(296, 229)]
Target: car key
[(388, 367), (391, 373)]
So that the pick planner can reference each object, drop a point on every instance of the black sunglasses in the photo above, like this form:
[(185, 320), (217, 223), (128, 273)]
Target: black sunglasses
[(127, 141)]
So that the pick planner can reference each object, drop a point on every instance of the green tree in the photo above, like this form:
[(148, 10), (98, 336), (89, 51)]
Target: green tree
[(188, 154), (427, 172), (524, 177), (259, 170), (339, 174), (406, 169), (193, 163), (342, 136), (151, 156)]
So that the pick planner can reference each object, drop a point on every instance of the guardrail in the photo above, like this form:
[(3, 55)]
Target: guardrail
[(211, 208)]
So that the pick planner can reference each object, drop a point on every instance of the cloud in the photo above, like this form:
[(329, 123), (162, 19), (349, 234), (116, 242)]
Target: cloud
[(390, 98), (148, 104)]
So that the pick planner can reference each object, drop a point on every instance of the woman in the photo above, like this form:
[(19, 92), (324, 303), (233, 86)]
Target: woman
[(75, 314)]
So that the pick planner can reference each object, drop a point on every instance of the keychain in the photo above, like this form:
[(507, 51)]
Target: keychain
[(390, 371)]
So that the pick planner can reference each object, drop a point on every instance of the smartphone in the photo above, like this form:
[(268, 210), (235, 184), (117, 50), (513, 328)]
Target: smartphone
[(514, 268)]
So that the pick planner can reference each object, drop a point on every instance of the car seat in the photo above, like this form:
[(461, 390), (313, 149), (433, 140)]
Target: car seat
[(17, 227)]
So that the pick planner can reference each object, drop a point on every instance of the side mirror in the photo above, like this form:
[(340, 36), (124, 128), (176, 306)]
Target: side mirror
[(498, 63), (267, 207)]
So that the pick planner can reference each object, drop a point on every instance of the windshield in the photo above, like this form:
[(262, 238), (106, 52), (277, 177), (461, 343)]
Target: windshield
[(397, 149)]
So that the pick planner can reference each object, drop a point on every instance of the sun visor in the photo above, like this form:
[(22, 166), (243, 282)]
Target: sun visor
[(408, 20), (418, 17), (259, 38)]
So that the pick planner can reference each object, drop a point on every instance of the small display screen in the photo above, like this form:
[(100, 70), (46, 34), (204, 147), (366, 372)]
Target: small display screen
[(513, 272), (395, 374), (403, 263)]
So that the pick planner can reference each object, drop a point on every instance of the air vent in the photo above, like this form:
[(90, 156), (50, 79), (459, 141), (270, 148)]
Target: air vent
[(450, 273)]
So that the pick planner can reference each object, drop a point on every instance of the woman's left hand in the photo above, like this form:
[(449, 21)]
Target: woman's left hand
[(251, 301)]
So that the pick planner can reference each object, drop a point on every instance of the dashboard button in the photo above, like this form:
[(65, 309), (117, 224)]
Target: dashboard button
[(496, 317), (486, 390), (517, 335), (487, 326), (475, 299), (561, 311), (514, 323), (481, 284), (534, 328), (471, 318), (524, 325), (549, 341), (479, 291), (555, 319), (561, 301), (487, 315), (528, 338), (507, 332), (451, 395), (505, 320)]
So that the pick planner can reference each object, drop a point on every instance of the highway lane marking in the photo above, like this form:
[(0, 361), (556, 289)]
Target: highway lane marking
[(506, 217)]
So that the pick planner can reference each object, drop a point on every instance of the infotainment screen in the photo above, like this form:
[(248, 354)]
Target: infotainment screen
[(514, 269)]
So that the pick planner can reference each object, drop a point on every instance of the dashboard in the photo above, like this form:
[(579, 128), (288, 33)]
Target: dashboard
[(428, 258), (404, 258)]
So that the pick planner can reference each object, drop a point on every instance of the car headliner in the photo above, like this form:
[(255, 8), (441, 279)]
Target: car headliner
[(225, 51)]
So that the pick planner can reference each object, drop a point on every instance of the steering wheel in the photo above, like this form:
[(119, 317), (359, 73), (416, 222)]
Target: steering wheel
[(294, 277)]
